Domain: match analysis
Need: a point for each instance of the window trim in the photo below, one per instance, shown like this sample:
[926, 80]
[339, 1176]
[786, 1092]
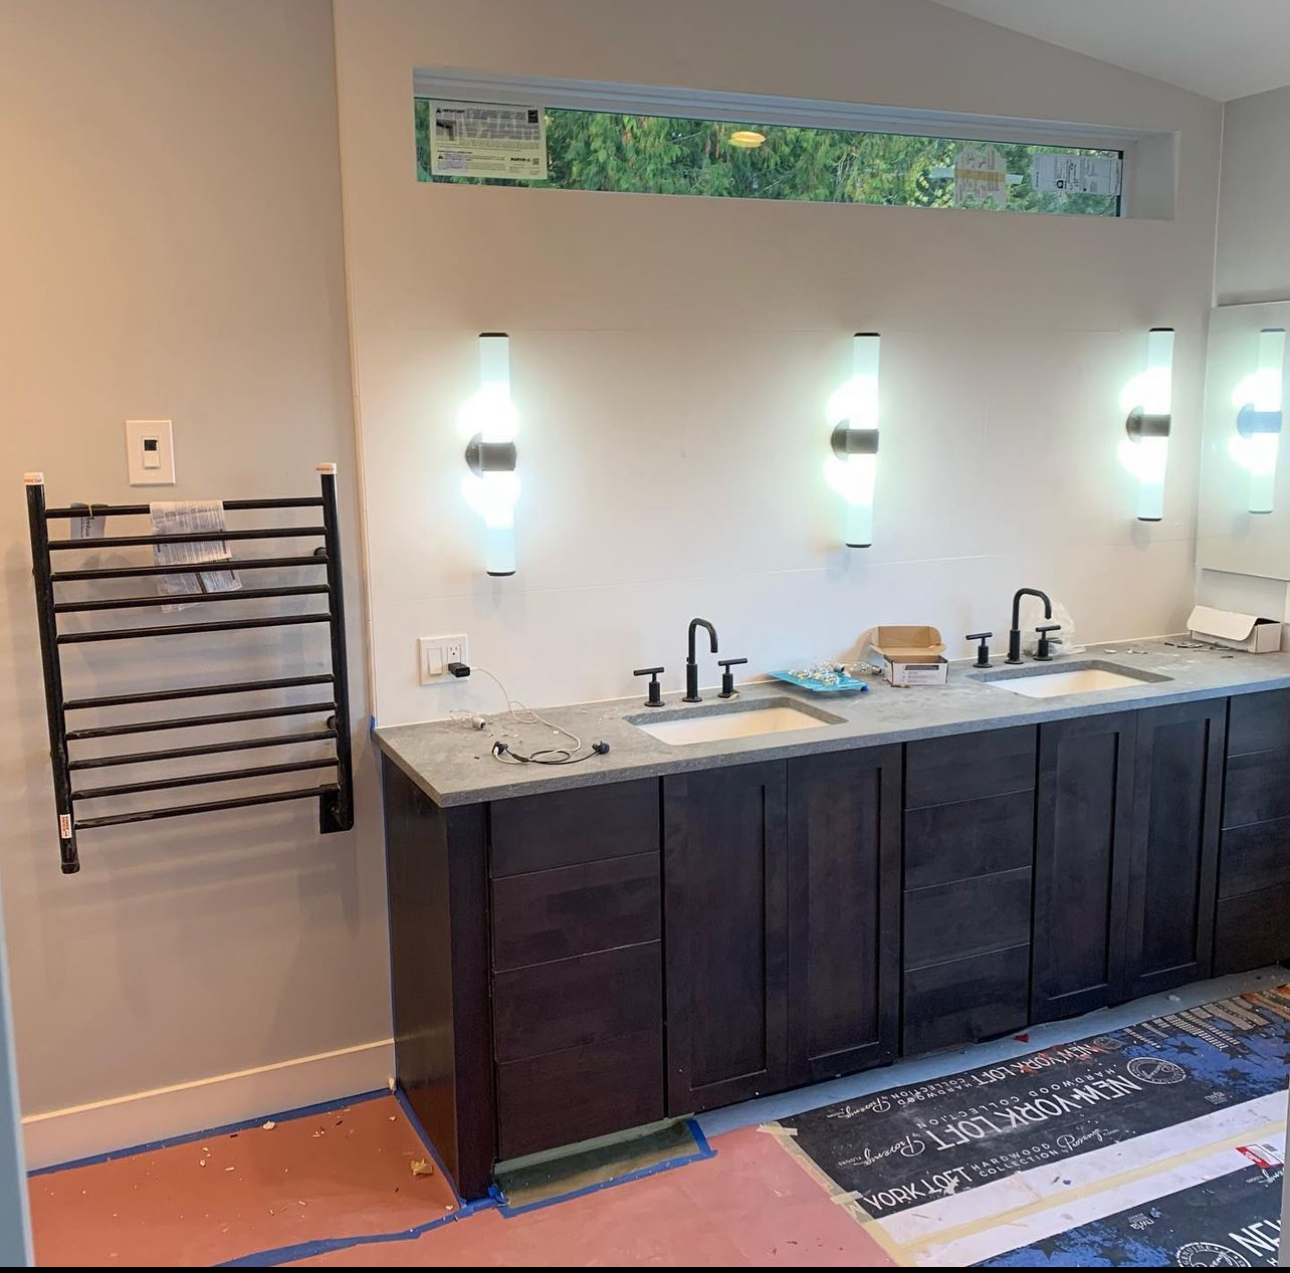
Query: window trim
[453, 84]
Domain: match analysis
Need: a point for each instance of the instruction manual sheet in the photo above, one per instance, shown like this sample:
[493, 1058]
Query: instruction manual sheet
[481, 139]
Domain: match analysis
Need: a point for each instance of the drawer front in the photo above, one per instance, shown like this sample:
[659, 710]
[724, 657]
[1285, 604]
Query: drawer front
[1252, 930]
[1255, 857]
[568, 1004]
[561, 828]
[973, 837]
[969, 766]
[1258, 722]
[966, 1000]
[569, 1096]
[968, 917]
[575, 910]
[1258, 788]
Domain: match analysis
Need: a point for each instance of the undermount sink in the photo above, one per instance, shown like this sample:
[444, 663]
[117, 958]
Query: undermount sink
[681, 727]
[1086, 677]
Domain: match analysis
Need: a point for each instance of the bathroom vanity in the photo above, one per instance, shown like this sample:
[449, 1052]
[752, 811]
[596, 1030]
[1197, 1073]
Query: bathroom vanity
[673, 927]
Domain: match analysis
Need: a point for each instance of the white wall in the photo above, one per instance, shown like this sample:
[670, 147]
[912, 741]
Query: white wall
[170, 245]
[1253, 262]
[671, 357]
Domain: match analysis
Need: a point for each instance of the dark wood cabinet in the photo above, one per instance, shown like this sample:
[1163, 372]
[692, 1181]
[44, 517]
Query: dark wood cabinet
[1252, 924]
[843, 912]
[969, 824]
[1083, 834]
[1173, 872]
[725, 858]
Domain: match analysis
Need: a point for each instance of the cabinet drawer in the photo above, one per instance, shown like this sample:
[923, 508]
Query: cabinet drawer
[967, 917]
[546, 1007]
[561, 828]
[1255, 857]
[966, 1000]
[1258, 788]
[575, 910]
[573, 1095]
[1252, 930]
[973, 837]
[1258, 722]
[969, 766]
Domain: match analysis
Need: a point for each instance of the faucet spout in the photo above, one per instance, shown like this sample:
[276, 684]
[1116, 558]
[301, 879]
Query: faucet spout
[1014, 636]
[692, 663]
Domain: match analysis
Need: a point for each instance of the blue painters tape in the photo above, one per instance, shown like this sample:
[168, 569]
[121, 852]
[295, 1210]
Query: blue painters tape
[187, 1138]
[324, 1246]
[703, 1150]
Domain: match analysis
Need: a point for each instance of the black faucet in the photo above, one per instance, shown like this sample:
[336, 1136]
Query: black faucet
[691, 663]
[1014, 637]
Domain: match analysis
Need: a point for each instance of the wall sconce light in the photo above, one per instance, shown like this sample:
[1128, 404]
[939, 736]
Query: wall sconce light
[1148, 398]
[489, 419]
[852, 469]
[1258, 419]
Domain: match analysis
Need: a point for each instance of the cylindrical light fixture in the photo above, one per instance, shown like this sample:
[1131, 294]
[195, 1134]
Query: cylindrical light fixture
[489, 420]
[1148, 398]
[1258, 403]
[852, 468]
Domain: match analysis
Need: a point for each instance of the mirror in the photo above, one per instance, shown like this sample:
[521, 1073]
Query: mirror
[1244, 516]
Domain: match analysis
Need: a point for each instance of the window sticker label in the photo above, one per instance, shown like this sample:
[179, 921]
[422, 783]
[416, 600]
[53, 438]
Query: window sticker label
[480, 139]
[980, 178]
[1076, 174]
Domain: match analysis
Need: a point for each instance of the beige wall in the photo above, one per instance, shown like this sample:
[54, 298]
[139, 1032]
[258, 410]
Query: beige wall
[671, 357]
[170, 246]
[1253, 261]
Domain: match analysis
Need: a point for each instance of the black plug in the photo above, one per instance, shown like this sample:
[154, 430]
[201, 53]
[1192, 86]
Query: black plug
[601, 749]
[459, 669]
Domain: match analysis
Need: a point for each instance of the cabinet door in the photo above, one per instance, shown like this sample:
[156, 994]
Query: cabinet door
[1083, 833]
[844, 912]
[725, 849]
[1177, 803]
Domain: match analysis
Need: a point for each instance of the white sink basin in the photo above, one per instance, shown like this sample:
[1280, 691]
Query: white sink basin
[747, 720]
[1087, 678]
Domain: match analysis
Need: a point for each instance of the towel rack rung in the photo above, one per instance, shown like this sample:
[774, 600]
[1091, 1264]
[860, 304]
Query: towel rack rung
[209, 806]
[202, 749]
[142, 510]
[318, 558]
[189, 598]
[196, 691]
[183, 722]
[186, 629]
[201, 780]
[189, 537]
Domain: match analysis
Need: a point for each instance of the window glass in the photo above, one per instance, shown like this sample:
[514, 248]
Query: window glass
[654, 154]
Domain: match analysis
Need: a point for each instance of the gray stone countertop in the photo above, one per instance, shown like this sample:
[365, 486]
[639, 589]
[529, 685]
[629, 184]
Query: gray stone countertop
[452, 762]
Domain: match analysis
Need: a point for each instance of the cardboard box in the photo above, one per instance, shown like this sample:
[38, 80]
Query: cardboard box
[1236, 631]
[911, 655]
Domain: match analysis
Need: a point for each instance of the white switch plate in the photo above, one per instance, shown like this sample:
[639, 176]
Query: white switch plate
[435, 653]
[150, 452]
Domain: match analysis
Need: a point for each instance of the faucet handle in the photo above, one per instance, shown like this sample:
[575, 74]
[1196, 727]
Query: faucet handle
[655, 698]
[983, 649]
[728, 677]
[1043, 653]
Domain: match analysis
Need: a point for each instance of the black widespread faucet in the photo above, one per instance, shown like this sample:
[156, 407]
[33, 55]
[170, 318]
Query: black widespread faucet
[1014, 637]
[692, 664]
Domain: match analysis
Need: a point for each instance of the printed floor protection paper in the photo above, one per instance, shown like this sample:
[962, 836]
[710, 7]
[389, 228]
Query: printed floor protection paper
[1060, 1156]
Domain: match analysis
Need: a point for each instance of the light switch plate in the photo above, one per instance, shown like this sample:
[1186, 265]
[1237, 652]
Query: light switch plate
[150, 452]
[435, 653]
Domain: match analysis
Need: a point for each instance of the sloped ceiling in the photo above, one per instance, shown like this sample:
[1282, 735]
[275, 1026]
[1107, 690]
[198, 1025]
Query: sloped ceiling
[1219, 48]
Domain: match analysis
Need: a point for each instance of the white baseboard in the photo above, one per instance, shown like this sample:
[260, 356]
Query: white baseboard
[84, 1131]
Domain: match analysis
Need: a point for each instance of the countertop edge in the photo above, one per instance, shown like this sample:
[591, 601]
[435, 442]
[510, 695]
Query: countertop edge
[1148, 697]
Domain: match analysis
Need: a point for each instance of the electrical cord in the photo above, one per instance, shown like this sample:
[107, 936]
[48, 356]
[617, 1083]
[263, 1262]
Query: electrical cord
[504, 754]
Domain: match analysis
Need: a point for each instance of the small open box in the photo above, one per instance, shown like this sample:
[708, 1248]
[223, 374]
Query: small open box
[1236, 631]
[911, 655]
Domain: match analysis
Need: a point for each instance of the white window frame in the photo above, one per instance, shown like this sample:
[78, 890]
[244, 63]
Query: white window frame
[453, 84]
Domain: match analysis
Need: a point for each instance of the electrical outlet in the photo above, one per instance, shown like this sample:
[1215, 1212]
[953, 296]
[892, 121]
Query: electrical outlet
[435, 653]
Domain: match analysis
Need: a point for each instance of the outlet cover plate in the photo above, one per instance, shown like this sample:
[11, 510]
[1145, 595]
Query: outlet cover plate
[436, 652]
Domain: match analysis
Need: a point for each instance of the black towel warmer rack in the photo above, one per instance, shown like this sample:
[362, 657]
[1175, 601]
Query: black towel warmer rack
[335, 799]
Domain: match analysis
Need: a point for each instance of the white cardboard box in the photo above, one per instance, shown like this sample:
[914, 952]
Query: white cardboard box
[912, 655]
[1236, 631]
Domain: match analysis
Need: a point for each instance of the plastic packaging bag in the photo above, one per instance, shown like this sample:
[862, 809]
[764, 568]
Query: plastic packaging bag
[1032, 615]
